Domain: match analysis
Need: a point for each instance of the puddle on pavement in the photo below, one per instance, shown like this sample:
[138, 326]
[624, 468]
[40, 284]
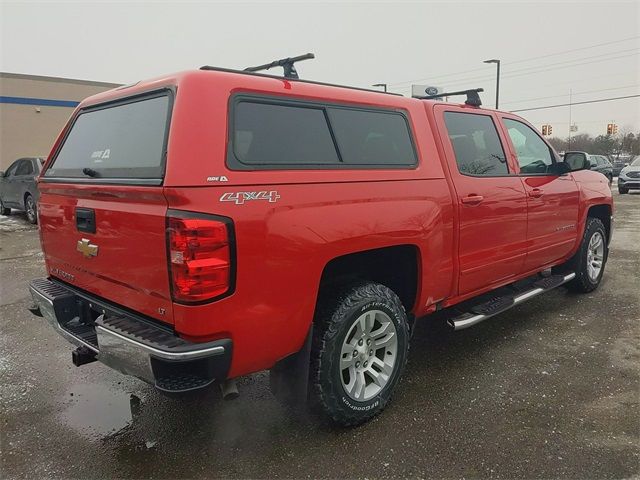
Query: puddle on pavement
[97, 411]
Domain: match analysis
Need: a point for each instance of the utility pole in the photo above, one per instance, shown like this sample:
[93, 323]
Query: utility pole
[570, 126]
[497, 62]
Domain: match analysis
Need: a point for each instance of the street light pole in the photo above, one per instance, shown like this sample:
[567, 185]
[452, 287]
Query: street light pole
[383, 85]
[497, 62]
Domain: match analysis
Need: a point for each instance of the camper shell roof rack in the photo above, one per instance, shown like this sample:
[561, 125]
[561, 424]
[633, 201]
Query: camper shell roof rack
[255, 71]
[473, 99]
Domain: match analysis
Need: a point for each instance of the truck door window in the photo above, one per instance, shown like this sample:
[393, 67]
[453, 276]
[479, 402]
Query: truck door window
[534, 155]
[476, 144]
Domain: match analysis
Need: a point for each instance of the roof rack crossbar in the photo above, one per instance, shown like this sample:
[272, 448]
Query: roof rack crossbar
[286, 63]
[473, 98]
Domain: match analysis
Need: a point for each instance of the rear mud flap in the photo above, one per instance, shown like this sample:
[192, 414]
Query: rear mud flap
[289, 378]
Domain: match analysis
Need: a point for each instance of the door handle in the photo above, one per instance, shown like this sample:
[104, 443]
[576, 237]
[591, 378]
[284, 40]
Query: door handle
[472, 199]
[535, 193]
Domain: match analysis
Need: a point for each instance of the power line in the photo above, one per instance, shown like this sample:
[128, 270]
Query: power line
[519, 61]
[574, 93]
[577, 49]
[509, 75]
[575, 103]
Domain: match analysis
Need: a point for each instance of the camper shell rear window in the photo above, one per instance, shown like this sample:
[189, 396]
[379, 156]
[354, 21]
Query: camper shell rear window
[118, 142]
[277, 133]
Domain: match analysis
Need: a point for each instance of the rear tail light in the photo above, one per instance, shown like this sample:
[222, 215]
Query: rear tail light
[200, 257]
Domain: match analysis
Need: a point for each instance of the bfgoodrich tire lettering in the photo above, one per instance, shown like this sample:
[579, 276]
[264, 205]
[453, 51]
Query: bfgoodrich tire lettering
[335, 319]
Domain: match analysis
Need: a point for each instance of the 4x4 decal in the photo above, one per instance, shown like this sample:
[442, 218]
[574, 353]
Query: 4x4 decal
[239, 198]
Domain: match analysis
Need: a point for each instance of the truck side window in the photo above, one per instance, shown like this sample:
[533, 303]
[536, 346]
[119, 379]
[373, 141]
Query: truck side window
[372, 138]
[282, 134]
[476, 144]
[534, 155]
[272, 134]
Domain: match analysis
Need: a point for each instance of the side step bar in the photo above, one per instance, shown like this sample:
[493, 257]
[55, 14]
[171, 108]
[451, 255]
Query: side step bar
[498, 305]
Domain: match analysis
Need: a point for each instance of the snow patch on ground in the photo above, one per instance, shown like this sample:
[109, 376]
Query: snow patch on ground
[15, 223]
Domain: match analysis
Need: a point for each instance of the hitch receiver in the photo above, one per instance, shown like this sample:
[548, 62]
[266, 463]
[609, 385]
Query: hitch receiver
[83, 355]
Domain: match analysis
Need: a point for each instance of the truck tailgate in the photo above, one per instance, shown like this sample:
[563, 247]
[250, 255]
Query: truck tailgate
[125, 260]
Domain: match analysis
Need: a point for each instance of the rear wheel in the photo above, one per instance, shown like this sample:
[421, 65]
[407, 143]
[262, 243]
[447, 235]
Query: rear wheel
[4, 210]
[30, 208]
[359, 351]
[589, 261]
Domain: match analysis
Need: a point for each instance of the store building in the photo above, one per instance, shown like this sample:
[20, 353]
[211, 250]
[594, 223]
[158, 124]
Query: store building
[33, 110]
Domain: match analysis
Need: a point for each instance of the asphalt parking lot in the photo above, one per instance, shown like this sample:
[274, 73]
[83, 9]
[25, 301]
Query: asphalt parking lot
[550, 389]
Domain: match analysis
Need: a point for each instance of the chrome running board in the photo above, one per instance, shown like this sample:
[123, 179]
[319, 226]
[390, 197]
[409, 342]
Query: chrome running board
[505, 302]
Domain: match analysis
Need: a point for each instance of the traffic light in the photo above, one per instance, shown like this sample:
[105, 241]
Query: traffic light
[549, 129]
[615, 128]
[544, 129]
[609, 128]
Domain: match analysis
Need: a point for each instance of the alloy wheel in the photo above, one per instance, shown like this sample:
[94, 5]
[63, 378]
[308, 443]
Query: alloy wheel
[368, 355]
[595, 256]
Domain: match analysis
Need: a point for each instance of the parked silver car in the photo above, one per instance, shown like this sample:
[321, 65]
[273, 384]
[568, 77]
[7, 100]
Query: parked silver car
[629, 178]
[18, 189]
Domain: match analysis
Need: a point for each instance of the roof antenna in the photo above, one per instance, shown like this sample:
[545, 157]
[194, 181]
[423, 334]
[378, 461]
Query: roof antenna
[473, 99]
[286, 63]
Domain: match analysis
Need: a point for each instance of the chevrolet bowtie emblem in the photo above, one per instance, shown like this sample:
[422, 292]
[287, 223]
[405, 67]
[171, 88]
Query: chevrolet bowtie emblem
[86, 248]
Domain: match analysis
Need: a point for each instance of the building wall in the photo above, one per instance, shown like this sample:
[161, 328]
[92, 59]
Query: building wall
[34, 109]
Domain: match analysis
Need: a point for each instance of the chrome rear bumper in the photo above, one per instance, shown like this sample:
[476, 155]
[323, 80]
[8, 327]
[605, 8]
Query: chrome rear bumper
[130, 344]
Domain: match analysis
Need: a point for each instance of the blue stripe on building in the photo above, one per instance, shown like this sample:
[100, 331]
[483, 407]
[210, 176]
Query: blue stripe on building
[43, 102]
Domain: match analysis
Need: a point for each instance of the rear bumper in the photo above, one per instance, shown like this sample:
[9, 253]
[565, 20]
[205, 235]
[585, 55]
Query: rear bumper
[130, 344]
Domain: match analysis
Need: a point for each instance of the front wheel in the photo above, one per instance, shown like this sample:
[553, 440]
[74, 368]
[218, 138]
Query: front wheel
[30, 208]
[622, 190]
[589, 261]
[359, 351]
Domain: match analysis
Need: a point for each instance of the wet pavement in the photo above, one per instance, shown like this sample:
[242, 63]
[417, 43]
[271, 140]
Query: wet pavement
[548, 389]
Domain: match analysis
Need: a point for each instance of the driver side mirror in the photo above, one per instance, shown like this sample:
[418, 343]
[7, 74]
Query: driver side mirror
[1, 174]
[577, 161]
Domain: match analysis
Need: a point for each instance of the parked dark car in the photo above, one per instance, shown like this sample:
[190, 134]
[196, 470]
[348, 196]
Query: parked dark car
[18, 188]
[597, 163]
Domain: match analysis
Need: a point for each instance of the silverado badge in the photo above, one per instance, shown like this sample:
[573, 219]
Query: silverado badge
[86, 248]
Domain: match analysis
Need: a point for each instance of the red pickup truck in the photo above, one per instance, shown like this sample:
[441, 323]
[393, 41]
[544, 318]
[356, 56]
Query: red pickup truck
[214, 223]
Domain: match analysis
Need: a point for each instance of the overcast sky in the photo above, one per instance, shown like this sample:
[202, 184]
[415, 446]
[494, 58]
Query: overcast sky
[356, 43]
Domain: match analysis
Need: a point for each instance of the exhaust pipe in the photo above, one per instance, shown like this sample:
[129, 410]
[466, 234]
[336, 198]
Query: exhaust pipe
[229, 389]
[83, 355]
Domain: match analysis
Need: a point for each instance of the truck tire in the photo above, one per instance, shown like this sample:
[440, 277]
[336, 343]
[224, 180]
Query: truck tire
[589, 261]
[359, 351]
[3, 210]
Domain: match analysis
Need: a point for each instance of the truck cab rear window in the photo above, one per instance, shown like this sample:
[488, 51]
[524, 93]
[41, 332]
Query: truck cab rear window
[284, 136]
[122, 141]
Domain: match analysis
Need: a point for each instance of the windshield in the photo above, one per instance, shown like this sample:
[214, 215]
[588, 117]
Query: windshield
[636, 162]
[124, 141]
